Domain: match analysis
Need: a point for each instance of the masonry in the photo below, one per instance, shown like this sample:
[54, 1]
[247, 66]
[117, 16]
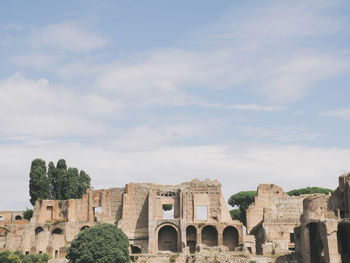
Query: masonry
[155, 218]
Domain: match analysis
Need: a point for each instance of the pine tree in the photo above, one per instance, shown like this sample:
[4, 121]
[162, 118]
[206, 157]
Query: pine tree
[39, 183]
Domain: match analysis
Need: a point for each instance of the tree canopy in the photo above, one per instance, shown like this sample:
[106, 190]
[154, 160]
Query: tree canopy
[242, 199]
[104, 243]
[309, 190]
[57, 182]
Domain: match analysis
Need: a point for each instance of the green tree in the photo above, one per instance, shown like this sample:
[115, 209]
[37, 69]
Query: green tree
[102, 243]
[242, 200]
[39, 184]
[309, 190]
[71, 189]
[84, 183]
[235, 214]
[28, 214]
[61, 180]
[51, 174]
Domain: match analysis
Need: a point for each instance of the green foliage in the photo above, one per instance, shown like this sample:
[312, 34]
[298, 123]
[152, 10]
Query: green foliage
[309, 190]
[51, 174]
[84, 182]
[173, 258]
[167, 207]
[235, 214]
[102, 243]
[28, 214]
[39, 185]
[17, 257]
[242, 200]
[59, 183]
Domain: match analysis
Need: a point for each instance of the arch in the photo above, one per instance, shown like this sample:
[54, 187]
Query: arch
[3, 231]
[167, 238]
[135, 249]
[38, 230]
[210, 236]
[57, 231]
[343, 236]
[191, 238]
[230, 238]
[2, 219]
[316, 245]
[18, 217]
[84, 227]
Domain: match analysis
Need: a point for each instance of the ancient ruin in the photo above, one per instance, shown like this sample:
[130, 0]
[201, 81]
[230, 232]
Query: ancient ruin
[196, 213]
[190, 219]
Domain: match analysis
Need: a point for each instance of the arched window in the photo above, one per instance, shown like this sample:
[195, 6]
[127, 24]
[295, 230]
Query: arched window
[57, 231]
[38, 230]
[167, 239]
[84, 227]
[18, 217]
[209, 236]
[230, 238]
[135, 250]
[191, 238]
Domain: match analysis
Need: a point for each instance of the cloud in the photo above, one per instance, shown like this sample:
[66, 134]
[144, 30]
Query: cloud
[343, 114]
[238, 166]
[243, 107]
[38, 108]
[67, 37]
[280, 134]
[37, 61]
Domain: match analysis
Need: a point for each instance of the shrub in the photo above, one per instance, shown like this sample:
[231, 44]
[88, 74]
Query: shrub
[102, 243]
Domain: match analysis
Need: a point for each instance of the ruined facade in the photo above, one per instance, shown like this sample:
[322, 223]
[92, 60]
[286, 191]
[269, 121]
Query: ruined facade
[154, 217]
[324, 233]
[272, 219]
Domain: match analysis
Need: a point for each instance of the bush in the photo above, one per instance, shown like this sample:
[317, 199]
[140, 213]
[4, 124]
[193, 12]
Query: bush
[17, 257]
[102, 243]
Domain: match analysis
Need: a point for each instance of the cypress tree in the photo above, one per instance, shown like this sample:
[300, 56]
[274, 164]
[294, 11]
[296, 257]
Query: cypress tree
[51, 174]
[84, 183]
[72, 187]
[61, 180]
[39, 183]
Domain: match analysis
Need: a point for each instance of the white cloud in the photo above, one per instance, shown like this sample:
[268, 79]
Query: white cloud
[343, 114]
[281, 134]
[37, 108]
[237, 167]
[68, 37]
[37, 61]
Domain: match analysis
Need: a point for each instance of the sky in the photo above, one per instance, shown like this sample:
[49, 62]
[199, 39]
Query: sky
[246, 92]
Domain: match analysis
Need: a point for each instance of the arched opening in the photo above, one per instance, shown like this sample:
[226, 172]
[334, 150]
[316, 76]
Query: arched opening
[57, 231]
[18, 217]
[167, 239]
[191, 238]
[3, 232]
[316, 245]
[2, 219]
[344, 241]
[230, 238]
[209, 236]
[135, 250]
[84, 227]
[38, 230]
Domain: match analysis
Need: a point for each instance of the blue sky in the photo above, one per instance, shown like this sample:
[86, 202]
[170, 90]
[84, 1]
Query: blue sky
[167, 91]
